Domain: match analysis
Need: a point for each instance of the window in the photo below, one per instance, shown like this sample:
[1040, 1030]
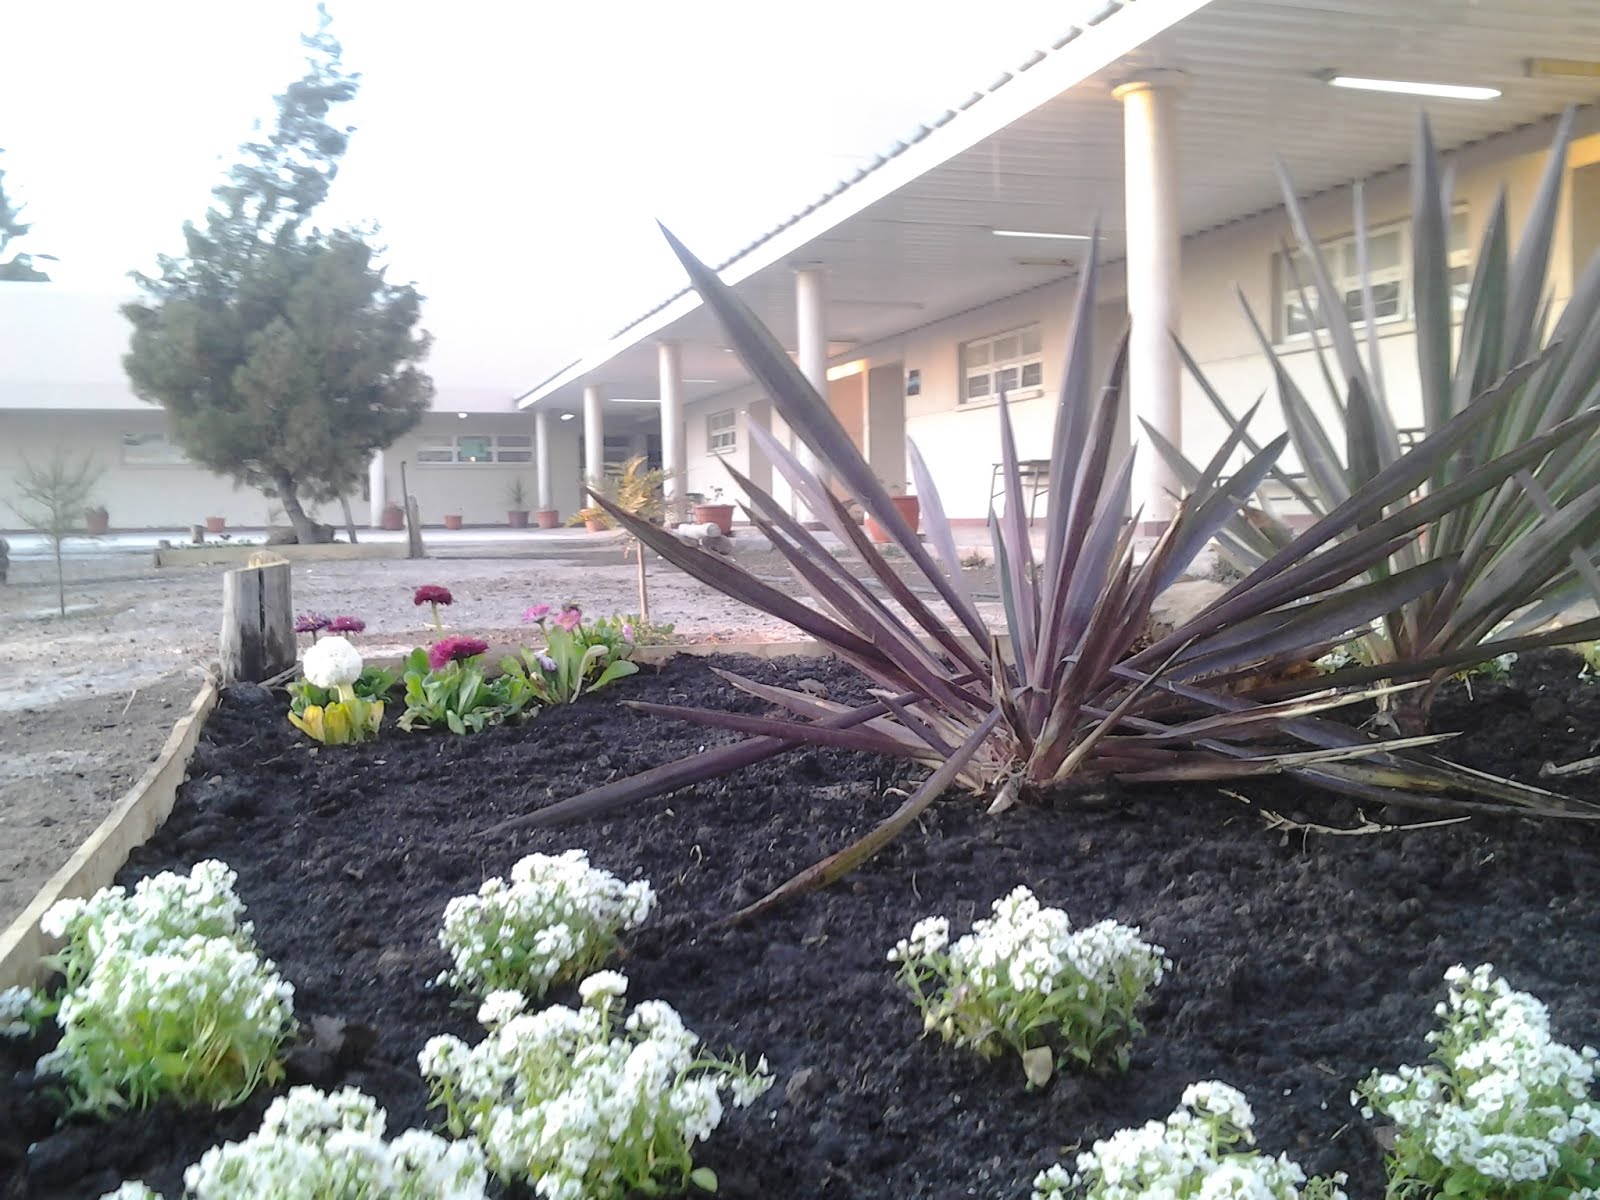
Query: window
[1009, 362]
[1388, 269]
[476, 448]
[722, 433]
[150, 450]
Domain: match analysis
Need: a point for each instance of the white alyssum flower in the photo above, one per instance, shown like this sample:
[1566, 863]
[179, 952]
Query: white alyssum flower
[1024, 978]
[165, 995]
[1503, 1109]
[20, 1009]
[313, 1144]
[565, 1102]
[556, 918]
[332, 662]
[1197, 1152]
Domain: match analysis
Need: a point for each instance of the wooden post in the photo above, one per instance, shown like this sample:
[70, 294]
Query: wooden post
[414, 547]
[257, 623]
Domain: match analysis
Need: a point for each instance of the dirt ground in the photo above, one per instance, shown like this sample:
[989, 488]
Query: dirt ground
[87, 701]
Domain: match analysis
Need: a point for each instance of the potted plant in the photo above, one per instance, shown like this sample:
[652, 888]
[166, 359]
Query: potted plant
[547, 518]
[517, 499]
[216, 524]
[638, 491]
[96, 520]
[910, 509]
[394, 517]
[715, 512]
[452, 520]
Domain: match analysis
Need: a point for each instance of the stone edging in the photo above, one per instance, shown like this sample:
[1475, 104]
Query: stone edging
[141, 811]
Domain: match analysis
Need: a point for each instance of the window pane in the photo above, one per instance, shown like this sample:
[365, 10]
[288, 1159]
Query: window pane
[1005, 348]
[1030, 340]
[515, 440]
[1006, 381]
[473, 450]
[1033, 375]
[1385, 300]
[978, 354]
[977, 385]
[1458, 231]
[1295, 319]
[515, 456]
[436, 454]
[1460, 286]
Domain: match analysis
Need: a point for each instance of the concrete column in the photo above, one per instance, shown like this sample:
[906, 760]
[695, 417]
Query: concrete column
[594, 439]
[541, 455]
[1149, 108]
[811, 345]
[674, 431]
[376, 490]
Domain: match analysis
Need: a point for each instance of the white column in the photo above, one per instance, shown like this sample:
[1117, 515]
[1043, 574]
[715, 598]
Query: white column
[674, 431]
[1149, 107]
[811, 345]
[541, 455]
[375, 489]
[594, 439]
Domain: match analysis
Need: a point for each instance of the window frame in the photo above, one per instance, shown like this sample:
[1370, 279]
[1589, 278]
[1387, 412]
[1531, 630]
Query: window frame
[498, 445]
[175, 456]
[719, 425]
[990, 366]
[1286, 296]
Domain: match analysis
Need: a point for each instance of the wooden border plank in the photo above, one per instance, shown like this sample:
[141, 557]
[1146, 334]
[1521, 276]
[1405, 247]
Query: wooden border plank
[141, 811]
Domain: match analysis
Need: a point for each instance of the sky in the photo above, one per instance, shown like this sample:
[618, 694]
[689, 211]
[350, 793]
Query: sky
[514, 156]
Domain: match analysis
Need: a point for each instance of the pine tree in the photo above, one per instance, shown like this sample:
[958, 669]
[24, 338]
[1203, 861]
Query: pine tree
[19, 268]
[281, 354]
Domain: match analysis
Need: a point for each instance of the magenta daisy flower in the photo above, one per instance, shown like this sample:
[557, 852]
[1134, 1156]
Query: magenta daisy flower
[432, 595]
[455, 649]
[347, 624]
[311, 623]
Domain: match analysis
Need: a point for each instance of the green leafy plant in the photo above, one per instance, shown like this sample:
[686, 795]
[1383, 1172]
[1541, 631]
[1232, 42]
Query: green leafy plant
[577, 656]
[556, 919]
[577, 1102]
[1075, 694]
[374, 683]
[1513, 555]
[1204, 1149]
[1024, 980]
[314, 1145]
[334, 668]
[1504, 1111]
[448, 686]
[164, 995]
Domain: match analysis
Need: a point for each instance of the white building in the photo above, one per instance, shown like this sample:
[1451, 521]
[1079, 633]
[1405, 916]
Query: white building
[907, 299]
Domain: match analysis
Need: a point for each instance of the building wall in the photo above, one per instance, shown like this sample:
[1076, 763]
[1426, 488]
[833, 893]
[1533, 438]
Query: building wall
[176, 496]
[961, 442]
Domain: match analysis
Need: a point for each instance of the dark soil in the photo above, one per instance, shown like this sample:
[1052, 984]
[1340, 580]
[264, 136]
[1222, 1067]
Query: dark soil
[1303, 961]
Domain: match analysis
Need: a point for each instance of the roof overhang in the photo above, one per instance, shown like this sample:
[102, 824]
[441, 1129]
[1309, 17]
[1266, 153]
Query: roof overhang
[910, 240]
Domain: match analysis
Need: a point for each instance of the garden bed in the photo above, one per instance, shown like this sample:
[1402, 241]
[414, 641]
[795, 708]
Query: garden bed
[1301, 961]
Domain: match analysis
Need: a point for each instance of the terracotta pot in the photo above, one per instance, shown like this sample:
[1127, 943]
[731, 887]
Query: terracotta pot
[517, 518]
[910, 509]
[394, 517]
[595, 526]
[452, 521]
[96, 521]
[216, 524]
[720, 515]
[547, 518]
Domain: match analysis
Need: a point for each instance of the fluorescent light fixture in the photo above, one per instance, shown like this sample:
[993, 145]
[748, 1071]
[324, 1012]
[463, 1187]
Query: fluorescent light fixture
[702, 381]
[1039, 233]
[568, 416]
[463, 416]
[845, 370]
[1409, 87]
[629, 400]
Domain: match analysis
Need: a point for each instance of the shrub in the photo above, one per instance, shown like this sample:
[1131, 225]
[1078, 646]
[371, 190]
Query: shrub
[1504, 1110]
[557, 919]
[165, 995]
[313, 1144]
[1194, 1153]
[1023, 980]
[564, 1101]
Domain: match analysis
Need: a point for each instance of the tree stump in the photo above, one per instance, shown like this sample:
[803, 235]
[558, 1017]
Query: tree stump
[257, 623]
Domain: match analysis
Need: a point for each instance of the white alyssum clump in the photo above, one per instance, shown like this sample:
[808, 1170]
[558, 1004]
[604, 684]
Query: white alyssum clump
[19, 1011]
[1504, 1110]
[165, 994]
[1024, 979]
[1195, 1153]
[557, 918]
[314, 1145]
[564, 1101]
[332, 662]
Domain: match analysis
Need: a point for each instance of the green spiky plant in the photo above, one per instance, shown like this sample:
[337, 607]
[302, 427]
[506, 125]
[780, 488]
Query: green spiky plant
[640, 491]
[1516, 555]
[1069, 699]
